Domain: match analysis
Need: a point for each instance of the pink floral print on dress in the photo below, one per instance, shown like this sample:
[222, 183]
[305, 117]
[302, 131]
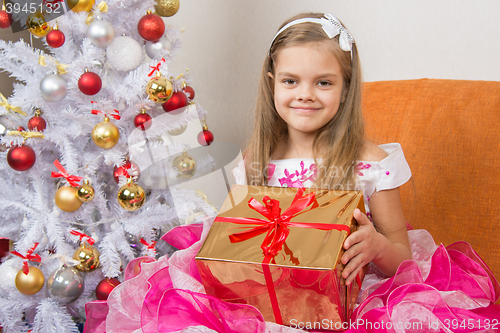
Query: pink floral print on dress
[298, 178]
[360, 166]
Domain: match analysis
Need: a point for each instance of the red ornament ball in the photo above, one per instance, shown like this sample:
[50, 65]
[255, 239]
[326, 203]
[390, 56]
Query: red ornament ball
[90, 83]
[189, 91]
[104, 288]
[205, 138]
[55, 38]
[5, 19]
[177, 101]
[151, 27]
[142, 121]
[128, 169]
[21, 158]
[37, 124]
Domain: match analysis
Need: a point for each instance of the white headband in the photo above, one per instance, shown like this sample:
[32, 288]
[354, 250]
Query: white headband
[331, 26]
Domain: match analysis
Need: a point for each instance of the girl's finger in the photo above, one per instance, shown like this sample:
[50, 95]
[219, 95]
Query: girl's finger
[360, 217]
[349, 254]
[353, 275]
[353, 239]
[353, 263]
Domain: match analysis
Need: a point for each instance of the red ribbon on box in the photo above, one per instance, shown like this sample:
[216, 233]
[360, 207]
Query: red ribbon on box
[277, 228]
[29, 256]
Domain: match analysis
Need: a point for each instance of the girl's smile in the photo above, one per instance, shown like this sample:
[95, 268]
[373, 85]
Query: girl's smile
[307, 87]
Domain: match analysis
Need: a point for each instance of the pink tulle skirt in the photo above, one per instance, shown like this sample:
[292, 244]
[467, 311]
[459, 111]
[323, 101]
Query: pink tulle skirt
[441, 290]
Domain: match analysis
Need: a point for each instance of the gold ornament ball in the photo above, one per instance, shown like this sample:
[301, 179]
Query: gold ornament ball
[85, 192]
[67, 199]
[30, 284]
[88, 258]
[105, 134]
[159, 89]
[37, 24]
[81, 5]
[185, 165]
[167, 7]
[131, 196]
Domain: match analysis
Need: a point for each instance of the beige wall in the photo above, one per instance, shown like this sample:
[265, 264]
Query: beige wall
[225, 42]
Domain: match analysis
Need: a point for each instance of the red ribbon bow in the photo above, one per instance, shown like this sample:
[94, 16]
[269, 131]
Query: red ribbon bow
[72, 180]
[157, 67]
[116, 116]
[277, 223]
[29, 256]
[90, 240]
[277, 228]
[150, 246]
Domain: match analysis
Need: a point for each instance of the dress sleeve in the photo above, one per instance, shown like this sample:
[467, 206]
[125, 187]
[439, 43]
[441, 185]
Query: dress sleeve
[389, 173]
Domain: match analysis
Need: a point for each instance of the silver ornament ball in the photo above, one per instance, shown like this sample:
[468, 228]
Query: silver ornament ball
[158, 49]
[101, 33]
[65, 284]
[53, 88]
[124, 53]
[9, 122]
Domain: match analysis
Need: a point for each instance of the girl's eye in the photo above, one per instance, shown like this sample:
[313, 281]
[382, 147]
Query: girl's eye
[289, 81]
[324, 83]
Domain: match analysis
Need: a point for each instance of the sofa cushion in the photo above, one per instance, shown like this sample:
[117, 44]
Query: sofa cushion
[450, 136]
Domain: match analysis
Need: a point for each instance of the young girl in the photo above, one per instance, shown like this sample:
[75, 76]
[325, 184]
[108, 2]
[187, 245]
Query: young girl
[308, 132]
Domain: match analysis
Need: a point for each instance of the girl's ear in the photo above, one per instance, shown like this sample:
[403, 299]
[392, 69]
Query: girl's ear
[271, 85]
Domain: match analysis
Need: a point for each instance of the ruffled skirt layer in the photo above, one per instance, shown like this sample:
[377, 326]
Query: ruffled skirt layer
[441, 290]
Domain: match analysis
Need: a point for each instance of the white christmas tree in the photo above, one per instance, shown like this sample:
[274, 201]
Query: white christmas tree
[68, 198]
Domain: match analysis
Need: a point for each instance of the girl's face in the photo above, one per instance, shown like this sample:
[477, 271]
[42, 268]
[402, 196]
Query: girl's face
[308, 86]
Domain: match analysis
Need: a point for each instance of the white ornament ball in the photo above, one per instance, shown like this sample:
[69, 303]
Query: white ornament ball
[55, 212]
[26, 223]
[53, 88]
[121, 106]
[101, 33]
[124, 53]
[95, 237]
[8, 274]
[44, 240]
[158, 49]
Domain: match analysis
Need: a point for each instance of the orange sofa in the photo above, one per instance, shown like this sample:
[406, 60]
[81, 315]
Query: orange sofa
[450, 134]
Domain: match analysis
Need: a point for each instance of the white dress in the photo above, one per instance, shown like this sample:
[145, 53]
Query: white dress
[389, 173]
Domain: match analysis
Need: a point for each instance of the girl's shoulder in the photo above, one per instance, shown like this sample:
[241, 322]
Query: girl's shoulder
[373, 153]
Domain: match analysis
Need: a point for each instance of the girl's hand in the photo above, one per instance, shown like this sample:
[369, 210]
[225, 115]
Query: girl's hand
[361, 247]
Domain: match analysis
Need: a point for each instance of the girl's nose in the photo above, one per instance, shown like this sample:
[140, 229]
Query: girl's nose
[306, 93]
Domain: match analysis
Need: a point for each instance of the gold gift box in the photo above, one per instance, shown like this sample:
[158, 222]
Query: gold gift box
[306, 273]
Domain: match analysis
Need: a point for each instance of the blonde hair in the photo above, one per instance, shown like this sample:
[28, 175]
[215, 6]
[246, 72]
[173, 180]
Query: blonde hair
[339, 142]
